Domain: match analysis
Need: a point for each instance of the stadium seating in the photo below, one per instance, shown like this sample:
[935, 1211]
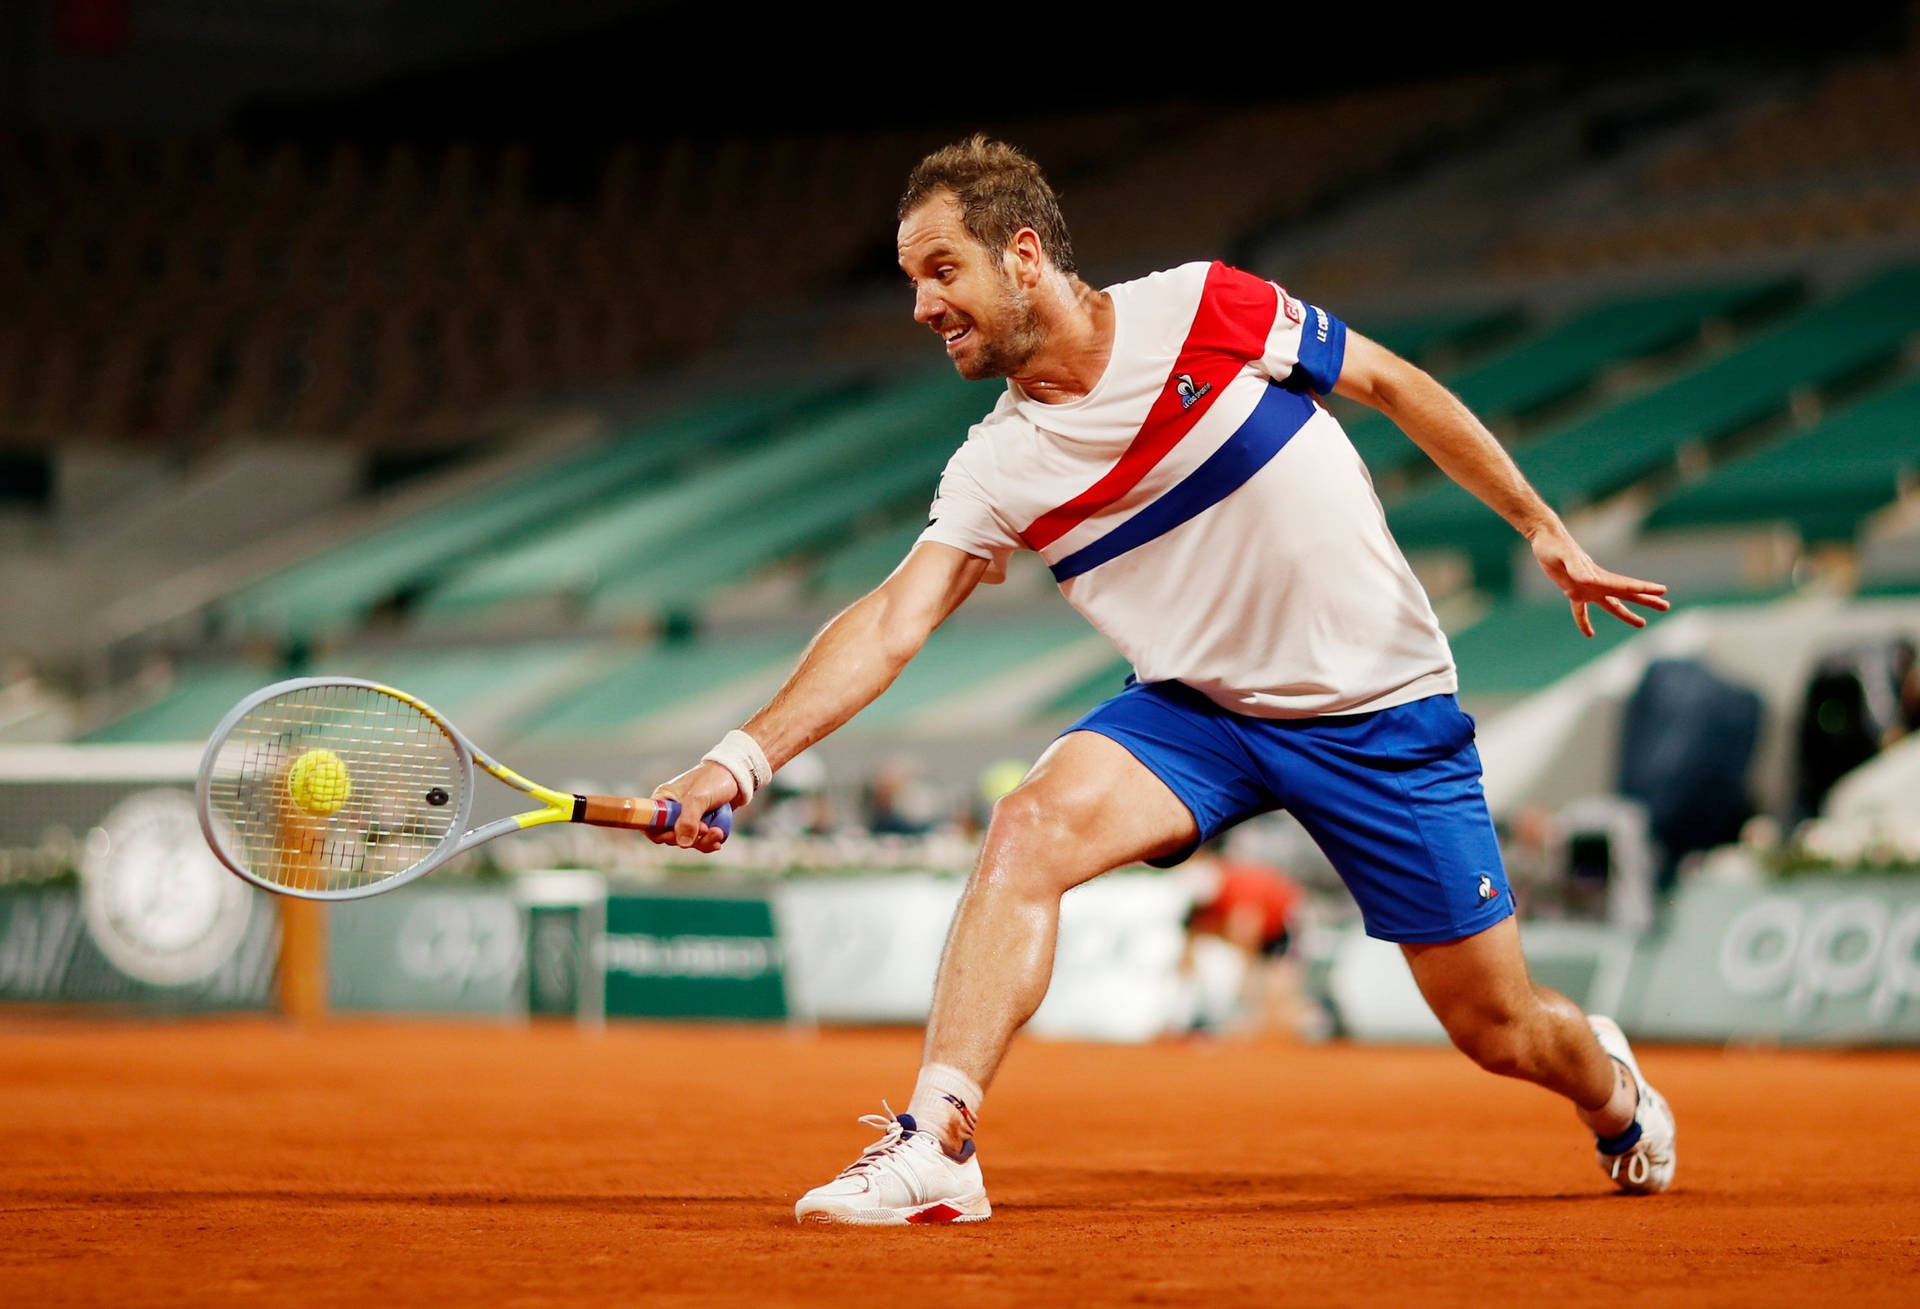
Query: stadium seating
[1426, 338]
[338, 588]
[863, 563]
[1823, 480]
[1860, 117]
[1564, 357]
[179, 292]
[1829, 165]
[1620, 443]
[472, 684]
[983, 668]
[826, 472]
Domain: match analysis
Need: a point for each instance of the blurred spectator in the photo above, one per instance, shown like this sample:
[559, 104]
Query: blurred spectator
[898, 802]
[1527, 846]
[1254, 909]
[797, 802]
[1860, 701]
[1687, 738]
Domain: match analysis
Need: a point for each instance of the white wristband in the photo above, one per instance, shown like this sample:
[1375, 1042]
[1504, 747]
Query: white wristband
[742, 756]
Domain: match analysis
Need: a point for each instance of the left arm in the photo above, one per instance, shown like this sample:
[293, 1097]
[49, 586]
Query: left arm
[1468, 453]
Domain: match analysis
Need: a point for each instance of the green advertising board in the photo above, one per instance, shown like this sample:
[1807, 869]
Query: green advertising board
[48, 952]
[1813, 959]
[426, 949]
[693, 956]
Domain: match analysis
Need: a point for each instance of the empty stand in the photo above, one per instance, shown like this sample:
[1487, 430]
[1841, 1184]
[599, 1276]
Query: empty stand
[1565, 357]
[1622, 442]
[338, 588]
[1824, 480]
[803, 484]
[473, 685]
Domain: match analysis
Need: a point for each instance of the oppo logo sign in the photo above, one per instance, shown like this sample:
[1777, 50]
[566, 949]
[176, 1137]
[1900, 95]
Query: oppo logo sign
[1850, 947]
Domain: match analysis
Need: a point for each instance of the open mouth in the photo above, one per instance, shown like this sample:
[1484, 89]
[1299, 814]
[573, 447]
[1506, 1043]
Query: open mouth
[955, 336]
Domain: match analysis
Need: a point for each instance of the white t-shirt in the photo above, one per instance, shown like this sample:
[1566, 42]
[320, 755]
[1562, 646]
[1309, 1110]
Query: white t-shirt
[1203, 511]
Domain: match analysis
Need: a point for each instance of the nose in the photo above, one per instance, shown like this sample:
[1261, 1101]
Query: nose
[927, 304]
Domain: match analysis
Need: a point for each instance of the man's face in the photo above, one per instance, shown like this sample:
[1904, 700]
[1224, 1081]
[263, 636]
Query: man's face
[965, 294]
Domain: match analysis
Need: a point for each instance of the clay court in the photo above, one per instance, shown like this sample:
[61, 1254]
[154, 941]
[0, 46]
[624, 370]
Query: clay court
[247, 1161]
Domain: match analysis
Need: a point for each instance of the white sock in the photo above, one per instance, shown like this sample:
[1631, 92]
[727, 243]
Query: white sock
[946, 1102]
[1616, 1115]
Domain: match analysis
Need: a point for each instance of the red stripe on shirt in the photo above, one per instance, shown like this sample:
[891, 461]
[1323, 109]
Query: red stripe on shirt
[1230, 327]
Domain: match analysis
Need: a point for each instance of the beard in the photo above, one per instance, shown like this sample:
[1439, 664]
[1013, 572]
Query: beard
[1016, 339]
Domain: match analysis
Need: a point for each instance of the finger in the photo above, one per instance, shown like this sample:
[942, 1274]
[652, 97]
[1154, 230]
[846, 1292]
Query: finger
[1580, 619]
[1620, 611]
[1656, 602]
[711, 838]
[686, 831]
[1617, 582]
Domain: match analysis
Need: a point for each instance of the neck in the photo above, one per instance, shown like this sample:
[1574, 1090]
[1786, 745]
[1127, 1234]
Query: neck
[1079, 327]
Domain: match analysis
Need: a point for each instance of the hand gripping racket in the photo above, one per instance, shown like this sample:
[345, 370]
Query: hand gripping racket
[332, 788]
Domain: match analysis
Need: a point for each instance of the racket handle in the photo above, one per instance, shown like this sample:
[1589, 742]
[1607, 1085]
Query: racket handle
[642, 814]
[721, 818]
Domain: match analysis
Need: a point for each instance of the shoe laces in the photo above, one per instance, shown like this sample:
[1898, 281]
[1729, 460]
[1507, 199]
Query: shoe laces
[1639, 1165]
[881, 1153]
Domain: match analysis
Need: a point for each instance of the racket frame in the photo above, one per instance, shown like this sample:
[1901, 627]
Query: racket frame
[556, 806]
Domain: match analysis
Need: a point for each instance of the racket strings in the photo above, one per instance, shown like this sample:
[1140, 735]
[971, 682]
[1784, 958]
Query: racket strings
[401, 774]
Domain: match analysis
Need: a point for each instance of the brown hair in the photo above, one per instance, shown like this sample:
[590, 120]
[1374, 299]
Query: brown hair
[1000, 191]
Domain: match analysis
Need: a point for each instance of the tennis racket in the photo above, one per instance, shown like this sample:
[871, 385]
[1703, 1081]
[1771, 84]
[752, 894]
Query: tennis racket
[333, 788]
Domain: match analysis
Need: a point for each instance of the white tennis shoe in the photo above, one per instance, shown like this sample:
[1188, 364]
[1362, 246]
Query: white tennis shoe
[1644, 1163]
[905, 1177]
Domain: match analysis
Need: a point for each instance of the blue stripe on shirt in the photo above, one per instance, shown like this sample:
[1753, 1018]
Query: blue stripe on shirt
[1270, 426]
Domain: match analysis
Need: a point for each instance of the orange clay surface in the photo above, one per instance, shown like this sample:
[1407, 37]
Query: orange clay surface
[400, 1163]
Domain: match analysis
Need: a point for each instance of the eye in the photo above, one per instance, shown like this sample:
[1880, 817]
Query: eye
[946, 273]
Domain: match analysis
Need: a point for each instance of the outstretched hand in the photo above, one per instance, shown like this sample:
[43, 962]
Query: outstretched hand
[700, 790]
[1586, 583]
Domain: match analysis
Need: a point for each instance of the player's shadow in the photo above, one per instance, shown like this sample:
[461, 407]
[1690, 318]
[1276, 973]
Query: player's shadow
[1142, 1191]
[441, 1199]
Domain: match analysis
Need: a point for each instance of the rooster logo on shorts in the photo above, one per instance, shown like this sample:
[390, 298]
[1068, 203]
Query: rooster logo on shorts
[1486, 887]
[1183, 383]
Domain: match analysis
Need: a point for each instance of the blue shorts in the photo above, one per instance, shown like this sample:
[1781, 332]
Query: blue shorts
[1392, 797]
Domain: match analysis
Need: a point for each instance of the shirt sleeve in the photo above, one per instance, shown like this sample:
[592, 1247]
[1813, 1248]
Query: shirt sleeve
[1306, 348]
[963, 517]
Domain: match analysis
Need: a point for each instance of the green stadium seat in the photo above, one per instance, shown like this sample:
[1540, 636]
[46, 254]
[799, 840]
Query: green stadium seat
[808, 483]
[1618, 444]
[1521, 645]
[1426, 336]
[338, 588]
[864, 563]
[1823, 480]
[969, 652]
[617, 703]
[818, 517]
[189, 709]
[965, 657]
[1564, 357]
[462, 683]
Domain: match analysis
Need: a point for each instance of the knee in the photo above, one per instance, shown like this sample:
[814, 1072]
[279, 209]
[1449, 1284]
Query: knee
[1027, 848]
[1497, 1041]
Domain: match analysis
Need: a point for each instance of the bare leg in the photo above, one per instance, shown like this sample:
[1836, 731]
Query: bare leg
[1479, 989]
[1087, 806]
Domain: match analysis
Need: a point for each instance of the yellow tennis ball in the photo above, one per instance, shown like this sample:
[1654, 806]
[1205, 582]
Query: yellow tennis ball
[319, 783]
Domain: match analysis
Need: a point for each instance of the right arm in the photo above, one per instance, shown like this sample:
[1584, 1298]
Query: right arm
[845, 668]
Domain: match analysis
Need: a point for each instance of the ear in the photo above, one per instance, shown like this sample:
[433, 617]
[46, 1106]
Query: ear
[1026, 260]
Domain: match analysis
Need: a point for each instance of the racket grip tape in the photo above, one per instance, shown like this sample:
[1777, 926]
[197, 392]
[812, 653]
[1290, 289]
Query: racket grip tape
[642, 814]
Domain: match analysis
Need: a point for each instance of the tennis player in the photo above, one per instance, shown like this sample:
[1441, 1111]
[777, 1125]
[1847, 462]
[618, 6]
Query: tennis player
[1160, 444]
